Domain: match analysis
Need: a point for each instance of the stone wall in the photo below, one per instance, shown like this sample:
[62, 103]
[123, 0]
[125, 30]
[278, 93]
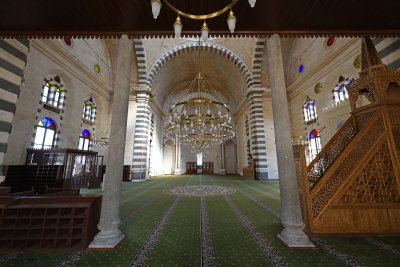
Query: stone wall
[75, 67]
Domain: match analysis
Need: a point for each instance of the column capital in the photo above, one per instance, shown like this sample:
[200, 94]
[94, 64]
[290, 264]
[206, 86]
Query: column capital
[142, 92]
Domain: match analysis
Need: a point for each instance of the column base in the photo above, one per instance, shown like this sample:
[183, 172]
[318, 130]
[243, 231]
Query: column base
[222, 171]
[177, 171]
[261, 176]
[295, 239]
[107, 239]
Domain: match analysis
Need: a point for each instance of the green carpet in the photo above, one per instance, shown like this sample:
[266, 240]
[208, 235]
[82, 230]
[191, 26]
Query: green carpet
[241, 231]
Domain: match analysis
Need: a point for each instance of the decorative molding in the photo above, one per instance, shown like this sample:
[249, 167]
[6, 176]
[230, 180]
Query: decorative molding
[77, 70]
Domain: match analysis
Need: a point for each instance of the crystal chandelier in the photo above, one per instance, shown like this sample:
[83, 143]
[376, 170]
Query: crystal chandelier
[200, 121]
[231, 20]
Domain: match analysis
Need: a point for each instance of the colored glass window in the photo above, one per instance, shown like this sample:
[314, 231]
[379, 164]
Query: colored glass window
[301, 68]
[314, 144]
[309, 110]
[45, 133]
[84, 140]
[330, 41]
[68, 41]
[97, 68]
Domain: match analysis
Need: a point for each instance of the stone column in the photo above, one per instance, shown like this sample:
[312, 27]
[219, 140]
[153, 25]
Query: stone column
[177, 153]
[110, 236]
[222, 169]
[292, 235]
[142, 133]
[257, 133]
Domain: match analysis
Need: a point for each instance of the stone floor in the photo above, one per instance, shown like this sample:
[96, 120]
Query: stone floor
[171, 221]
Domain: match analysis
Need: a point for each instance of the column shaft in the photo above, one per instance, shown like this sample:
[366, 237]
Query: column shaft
[142, 133]
[292, 235]
[257, 134]
[109, 235]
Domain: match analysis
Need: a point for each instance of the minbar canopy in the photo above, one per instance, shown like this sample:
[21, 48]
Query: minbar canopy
[111, 18]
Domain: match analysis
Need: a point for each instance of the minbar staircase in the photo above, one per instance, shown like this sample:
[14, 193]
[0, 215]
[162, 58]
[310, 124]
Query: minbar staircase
[353, 186]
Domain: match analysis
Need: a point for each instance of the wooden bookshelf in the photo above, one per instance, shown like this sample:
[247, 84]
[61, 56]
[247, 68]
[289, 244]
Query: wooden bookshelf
[48, 223]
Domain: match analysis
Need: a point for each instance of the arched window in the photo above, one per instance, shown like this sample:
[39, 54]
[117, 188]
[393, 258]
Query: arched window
[340, 92]
[199, 158]
[45, 133]
[89, 110]
[84, 140]
[309, 109]
[53, 92]
[314, 145]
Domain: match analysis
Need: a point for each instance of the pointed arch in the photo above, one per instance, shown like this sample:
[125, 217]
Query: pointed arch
[181, 49]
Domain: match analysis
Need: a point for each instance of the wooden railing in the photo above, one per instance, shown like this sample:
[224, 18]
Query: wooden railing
[330, 152]
[346, 162]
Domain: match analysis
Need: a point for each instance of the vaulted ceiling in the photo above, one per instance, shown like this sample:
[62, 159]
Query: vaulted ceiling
[27, 18]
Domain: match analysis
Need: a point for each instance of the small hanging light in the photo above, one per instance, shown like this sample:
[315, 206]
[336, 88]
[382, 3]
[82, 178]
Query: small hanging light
[178, 27]
[155, 8]
[231, 21]
[204, 32]
[252, 3]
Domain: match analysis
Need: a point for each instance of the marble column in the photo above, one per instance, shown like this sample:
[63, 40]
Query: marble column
[222, 169]
[292, 234]
[110, 236]
[177, 154]
[141, 139]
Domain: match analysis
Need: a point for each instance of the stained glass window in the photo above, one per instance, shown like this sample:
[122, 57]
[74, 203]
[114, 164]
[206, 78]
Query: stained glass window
[301, 68]
[45, 133]
[53, 92]
[309, 110]
[84, 140]
[340, 93]
[314, 145]
[89, 110]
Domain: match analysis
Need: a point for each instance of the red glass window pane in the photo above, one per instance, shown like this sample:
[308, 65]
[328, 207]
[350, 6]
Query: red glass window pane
[330, 41]
[67, 41]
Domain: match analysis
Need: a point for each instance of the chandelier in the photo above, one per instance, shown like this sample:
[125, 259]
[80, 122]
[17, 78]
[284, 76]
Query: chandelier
[156, 7]
[200, 121]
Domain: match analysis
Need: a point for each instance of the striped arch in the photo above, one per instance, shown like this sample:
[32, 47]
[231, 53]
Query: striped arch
[141, 62]
[181, 49]
[257, 61]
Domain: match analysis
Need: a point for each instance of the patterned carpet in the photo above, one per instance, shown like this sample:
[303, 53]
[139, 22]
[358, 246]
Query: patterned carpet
[171, 227]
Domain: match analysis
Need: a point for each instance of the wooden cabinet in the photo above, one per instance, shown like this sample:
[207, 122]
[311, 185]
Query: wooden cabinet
[48, 223]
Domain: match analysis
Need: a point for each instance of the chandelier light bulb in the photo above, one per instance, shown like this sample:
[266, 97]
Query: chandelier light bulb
[252, 3]
[231, 21]
[155, 8]
[204, 32]
[178, 27]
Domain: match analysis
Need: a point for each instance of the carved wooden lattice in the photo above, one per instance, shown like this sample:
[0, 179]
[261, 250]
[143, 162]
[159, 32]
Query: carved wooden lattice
[394, 116]
[330, 153]
[346, 166]
[362, 119]
[396, 137]
[376, 183]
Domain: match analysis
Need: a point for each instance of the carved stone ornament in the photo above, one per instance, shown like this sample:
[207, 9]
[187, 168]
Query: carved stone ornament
[318, 88]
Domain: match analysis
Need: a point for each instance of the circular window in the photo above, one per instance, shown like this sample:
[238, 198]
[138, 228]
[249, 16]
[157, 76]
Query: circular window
[57, 79]
[301, 68]
[330, 41]
[97, 68]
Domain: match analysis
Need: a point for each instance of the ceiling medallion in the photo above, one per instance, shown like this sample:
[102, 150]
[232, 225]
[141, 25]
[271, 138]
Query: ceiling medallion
[318, 88]
[231, 20]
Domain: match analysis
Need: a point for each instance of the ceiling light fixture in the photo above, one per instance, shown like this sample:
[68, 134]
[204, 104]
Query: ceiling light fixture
[231, 21]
